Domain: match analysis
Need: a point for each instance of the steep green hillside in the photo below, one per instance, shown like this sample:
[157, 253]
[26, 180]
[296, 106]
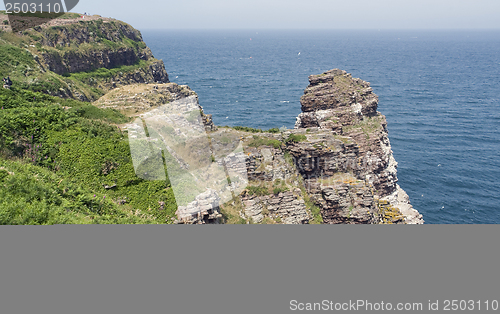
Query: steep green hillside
[61, 161]
[78, 58]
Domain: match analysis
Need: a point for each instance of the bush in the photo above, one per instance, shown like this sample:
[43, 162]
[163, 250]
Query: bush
[278, 190]
[76, 144]
[247, 129]
[35, 196]
[258, 190]
[296, 138]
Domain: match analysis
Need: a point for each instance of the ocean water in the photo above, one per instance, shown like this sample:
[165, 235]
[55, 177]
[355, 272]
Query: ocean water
[440, 92]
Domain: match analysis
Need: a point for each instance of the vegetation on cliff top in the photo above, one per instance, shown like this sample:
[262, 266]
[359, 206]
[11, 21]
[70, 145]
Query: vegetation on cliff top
[29, 57]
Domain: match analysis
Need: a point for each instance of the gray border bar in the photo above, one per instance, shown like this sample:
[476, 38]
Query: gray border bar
[241, 269]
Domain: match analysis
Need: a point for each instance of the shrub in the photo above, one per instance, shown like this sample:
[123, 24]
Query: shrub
[279, 189]
[296, 138]
[257, 190]
[247, 129]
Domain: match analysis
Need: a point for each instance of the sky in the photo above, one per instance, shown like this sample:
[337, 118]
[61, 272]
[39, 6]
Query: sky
[299, 14]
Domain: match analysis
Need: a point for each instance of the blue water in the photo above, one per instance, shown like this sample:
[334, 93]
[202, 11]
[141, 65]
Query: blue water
[439, 90]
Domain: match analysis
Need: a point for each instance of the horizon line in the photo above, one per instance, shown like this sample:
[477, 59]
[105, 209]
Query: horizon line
[322, 29]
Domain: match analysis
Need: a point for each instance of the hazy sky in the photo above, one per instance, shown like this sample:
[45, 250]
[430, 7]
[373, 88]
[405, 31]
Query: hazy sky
[299, 14]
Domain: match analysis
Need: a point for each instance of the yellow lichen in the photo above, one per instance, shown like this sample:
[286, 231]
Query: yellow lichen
[389, 214]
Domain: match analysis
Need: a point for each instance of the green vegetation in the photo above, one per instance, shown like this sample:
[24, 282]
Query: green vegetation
[263, 141]
[22, 57]
[252, 130]
[92, 77]
[368, 125]
[279, 186]
[231, 212]
[296, 138]
[259, 190]
[62, 153]
[64, 161]
[33, 195]
[315, 210]
[277, 190]
[289, 159]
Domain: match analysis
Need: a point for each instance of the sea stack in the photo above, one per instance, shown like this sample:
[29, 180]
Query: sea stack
[354, 174]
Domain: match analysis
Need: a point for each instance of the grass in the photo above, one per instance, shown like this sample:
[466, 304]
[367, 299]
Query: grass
[18, 53]
[74, 146]
[279, 186]
[231, 212]
[104, 73]
[289, 159]
[259, 190]
[368, 125]
[263, 141]
[296, 138]
[32, 195]
[313, 208]
[253, 130]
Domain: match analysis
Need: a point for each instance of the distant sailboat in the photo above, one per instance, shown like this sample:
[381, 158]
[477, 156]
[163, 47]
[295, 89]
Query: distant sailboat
[298, 54]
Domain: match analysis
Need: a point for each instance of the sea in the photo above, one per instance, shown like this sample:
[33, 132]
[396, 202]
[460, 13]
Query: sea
[439, 89]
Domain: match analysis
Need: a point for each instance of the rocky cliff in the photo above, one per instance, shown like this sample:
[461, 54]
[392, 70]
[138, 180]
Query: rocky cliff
[81, 58]
[348, 166]
[335, 167]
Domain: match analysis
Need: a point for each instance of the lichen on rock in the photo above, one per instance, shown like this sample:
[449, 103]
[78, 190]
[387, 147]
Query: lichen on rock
[350, 138]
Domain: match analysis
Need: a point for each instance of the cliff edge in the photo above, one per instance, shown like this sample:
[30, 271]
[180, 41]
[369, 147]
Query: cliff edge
[346, 108]
[77, 56]
[335, 167]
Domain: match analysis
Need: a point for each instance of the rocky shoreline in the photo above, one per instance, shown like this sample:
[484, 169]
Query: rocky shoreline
[335, 167]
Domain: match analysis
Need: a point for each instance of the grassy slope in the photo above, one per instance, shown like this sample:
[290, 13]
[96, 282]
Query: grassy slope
[18, 53]
[61, 157]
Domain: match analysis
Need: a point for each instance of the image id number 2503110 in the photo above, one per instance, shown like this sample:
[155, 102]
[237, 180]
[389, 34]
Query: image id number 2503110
[25, 7]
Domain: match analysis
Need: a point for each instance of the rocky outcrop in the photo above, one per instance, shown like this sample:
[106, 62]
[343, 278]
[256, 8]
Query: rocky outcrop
[286, 207]
[134, 99]
[83, 58]
[87, 45]
[204, 209]
[335, 167]
[273, 189]
[346, 158]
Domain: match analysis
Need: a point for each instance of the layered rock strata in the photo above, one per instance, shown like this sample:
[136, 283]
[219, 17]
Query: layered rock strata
[87, 45]
[335, 167]
[346, 159]
[82, 58]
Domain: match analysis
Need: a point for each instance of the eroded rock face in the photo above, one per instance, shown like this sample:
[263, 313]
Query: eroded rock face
[204, 209]
[273, 190]
[286, 207]
[346, 158]
[87, 45]
[338, 159]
